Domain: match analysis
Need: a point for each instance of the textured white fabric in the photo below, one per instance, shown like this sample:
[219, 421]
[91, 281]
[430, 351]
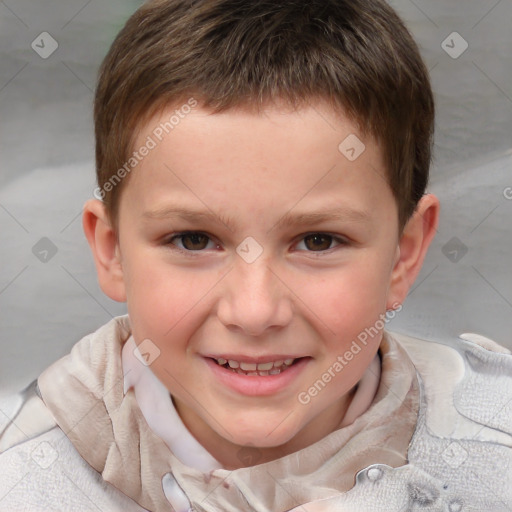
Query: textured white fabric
[46, 473]
[484, 342]
[100, 425]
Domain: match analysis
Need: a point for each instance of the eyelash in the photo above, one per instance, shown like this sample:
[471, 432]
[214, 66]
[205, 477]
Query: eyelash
[169, 241]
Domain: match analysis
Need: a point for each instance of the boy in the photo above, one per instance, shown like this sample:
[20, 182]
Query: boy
[261, 209]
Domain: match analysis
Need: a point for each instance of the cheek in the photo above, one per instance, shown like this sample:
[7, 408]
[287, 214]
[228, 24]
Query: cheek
[165, 302]
[148, 292]
[165, 306]
[349, 299]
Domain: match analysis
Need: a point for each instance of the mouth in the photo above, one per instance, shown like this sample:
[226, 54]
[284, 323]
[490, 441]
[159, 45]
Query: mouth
[253, 369]
[263, 377]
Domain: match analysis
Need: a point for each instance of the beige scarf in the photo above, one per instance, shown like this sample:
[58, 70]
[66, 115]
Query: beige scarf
[84, 391]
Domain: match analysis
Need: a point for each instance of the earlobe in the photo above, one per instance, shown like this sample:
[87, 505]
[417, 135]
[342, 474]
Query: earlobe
[105, 249]
[417, 235]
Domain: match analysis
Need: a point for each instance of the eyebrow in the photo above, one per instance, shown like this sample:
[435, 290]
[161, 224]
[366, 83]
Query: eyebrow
[340, 213]
[189, 215]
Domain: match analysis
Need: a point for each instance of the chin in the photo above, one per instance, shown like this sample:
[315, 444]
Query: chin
[266, 433]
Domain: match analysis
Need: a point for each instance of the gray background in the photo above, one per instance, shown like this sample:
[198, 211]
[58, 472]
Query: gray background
[47, 173]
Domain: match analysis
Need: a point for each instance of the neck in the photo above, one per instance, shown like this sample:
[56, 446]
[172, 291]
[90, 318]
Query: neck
[234, 456]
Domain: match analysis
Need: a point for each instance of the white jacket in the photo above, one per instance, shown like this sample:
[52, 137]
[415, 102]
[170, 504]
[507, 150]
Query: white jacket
[437, 437]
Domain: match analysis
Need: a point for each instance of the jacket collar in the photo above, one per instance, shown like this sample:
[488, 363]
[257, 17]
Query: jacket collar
[85, 393]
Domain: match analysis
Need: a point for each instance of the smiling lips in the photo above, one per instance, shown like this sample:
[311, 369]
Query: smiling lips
[259, 376]
[255, 369]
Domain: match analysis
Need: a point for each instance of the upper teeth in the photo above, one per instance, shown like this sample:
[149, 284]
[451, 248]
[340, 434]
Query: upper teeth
[255, 366]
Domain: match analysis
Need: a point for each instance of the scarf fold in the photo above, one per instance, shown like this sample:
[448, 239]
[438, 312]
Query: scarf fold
[85, 391]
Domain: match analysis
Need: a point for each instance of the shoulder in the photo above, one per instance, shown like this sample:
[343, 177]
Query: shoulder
[470, 362]
[460, 456]
[464, 431]
[40, 468]
[24, 416]
[468, 344]
[467, 383]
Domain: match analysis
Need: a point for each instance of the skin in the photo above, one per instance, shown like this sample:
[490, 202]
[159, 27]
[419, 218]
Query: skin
[303, 295]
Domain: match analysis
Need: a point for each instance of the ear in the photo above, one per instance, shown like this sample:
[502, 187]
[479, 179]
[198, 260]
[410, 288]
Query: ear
[414, 242]
[105, 249]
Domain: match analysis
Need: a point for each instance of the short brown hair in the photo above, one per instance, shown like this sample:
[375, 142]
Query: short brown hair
[357, 54]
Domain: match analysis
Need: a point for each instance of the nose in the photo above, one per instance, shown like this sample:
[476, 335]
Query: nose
[254, 299]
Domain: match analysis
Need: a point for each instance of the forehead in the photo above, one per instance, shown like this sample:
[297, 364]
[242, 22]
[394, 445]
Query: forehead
[239, 161]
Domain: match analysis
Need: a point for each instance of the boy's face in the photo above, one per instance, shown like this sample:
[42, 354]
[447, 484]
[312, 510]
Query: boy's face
[294, 255]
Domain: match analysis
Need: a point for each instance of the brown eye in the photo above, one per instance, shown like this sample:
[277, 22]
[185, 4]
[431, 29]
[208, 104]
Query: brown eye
[191, 241]
[194, 241]
[318, 242]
